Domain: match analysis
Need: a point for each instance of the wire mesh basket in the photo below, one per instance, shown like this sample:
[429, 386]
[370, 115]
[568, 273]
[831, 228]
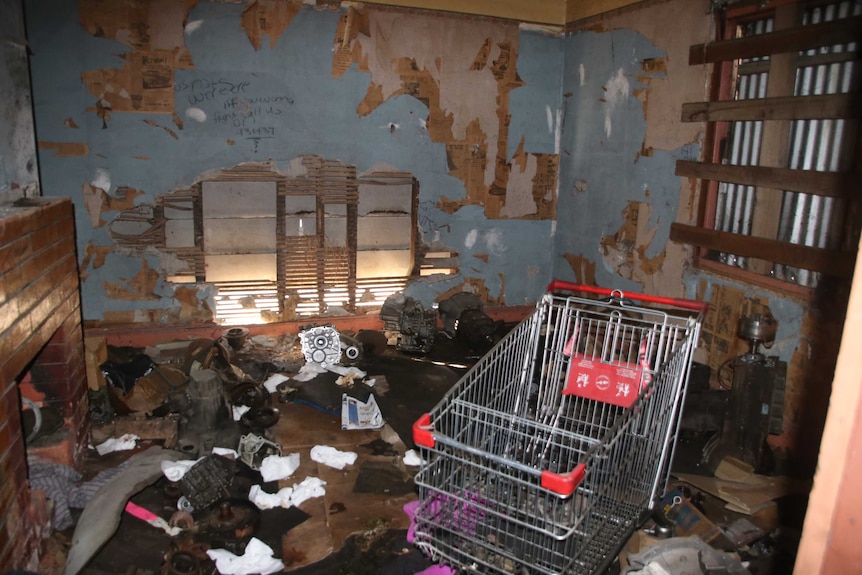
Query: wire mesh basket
[552, 449]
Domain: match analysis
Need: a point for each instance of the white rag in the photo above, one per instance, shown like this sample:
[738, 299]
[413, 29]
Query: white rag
[122, 443]
[256, 559]
[287, 496]
[174, 470]
[332, 457]
[412, 459]
[277, 467]
[271, 384]
[239, 410]
[309, 371]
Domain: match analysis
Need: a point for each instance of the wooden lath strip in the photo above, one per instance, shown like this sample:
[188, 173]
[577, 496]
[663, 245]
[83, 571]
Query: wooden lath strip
[829, 184]
[795, 39]
[828, 262]
[782, 108]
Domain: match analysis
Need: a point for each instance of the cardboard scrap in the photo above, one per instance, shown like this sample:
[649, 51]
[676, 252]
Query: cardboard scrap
[747, 496]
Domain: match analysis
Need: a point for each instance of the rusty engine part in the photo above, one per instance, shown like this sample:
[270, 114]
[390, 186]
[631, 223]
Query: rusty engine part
[415, 326]
[464, 319]
[234, 516]
[260, 418]
[207, 481]
[253, 449]
[181, 562]
[236, 336]
[321, 344]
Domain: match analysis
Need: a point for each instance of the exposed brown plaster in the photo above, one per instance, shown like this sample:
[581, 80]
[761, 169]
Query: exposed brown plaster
[154, 31]
[140, 287]
[93, 255]
[483, 257]
[584, 268]
[625, 251]
[231, 142]
[178, 122]
[478, 158]
[191, 308]
[70, 123]
[98, 201]
[141, 157]
[66, 149]
[165, 128]
[270, 17]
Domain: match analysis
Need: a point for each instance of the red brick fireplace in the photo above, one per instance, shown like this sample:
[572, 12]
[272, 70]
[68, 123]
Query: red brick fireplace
[41, 343]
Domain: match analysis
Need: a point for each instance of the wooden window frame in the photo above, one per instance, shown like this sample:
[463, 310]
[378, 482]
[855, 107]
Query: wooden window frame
[771, 177]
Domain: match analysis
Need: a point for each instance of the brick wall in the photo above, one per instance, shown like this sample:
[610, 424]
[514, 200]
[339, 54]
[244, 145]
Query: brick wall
[40, 337]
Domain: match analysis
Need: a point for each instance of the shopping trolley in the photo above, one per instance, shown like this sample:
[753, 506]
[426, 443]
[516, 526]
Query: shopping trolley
[553, 448]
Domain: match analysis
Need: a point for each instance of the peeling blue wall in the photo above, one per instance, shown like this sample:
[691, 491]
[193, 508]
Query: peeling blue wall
[603, 134]
[314, 113]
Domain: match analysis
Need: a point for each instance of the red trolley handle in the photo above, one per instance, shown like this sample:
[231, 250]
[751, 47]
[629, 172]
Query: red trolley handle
[559, 285]
[560, 483]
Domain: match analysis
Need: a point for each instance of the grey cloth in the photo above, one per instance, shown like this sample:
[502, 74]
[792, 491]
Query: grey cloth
[63, 485]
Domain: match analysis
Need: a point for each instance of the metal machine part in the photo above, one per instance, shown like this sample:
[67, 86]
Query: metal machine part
[757, 329]
[207, 480]
[321, 344]
[683, 556]
[415, 326]
[463, 317]
[253, 449]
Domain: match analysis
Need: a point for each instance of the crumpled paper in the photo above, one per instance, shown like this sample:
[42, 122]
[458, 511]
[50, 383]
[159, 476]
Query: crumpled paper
[277, 467]
[122, 443]
[332, 457]
[287, 496]
[258, 558]
[238, 411]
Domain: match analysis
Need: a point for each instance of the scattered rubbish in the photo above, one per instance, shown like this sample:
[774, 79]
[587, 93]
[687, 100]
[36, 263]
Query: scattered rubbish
[742, 490]
[676, 556]
[63, 486]
[347, 375]
[356, 414]
[151, 518]
[101, 516]
[238, 411]
[332, 457]
[412, 459]
[225, 452]
[258, 558]
[207, 480]
[309, 371]
[254, 449]
[743, 532]
[266, 341]
[277, 467]
[271, 383]
[125, 442]
[686, 518]
[286, 497]
[123, 376]
[174, 470]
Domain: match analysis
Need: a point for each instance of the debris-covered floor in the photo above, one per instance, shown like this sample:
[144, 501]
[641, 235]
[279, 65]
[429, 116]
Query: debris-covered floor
[315, 488]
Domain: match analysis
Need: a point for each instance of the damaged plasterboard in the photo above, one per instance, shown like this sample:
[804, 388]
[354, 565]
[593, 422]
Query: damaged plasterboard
[140, 287]
[467, 100]
[269, 17]
[98, 201]
[625, 251]
[145, 81]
